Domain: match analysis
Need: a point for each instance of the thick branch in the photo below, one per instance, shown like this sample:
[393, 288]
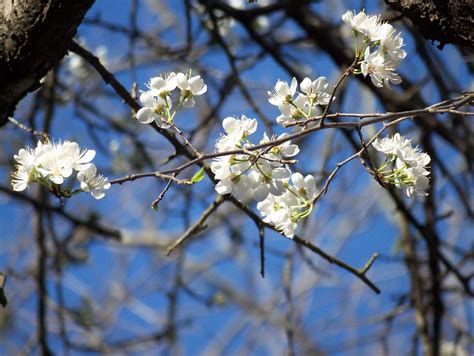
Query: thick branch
[34, 35]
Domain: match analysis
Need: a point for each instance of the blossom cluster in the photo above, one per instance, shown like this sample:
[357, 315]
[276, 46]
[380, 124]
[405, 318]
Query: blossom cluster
[249, 171]
[381, 51]
[305, 104]
[283, 198]
[158, 102]
[410, 164]
[50, 163]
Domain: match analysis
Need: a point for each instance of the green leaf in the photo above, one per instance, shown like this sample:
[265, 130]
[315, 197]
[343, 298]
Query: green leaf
[199, 176]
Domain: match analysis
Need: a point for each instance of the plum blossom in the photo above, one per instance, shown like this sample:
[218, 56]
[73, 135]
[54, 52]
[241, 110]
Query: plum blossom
[263, 175]
[285, 210]
[282, 94]
[236, 130]
[28, 161]
[391, 43]
[270, 179]
[57, 161]
[305, 186]
[163, 85]
[157, 101]
[156, 108]
[21, 178]
[232, 170]
[277, 211]
[299, 110]
[93, 183]
[410, 168]
[419, 185]
[190, 87]
[240, 185]
[316, 91]
[51, 163]
[251, 175]
[380, 70]
[390, 145]
[381, 50]
[362, 23]
[313, 93]
[80, 160]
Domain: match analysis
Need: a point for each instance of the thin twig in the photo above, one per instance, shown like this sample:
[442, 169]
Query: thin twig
[28, 129]
[197, 226]
[261, 234]
[154, 204]
[3, 298]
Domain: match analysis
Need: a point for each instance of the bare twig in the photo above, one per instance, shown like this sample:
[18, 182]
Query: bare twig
[197, 226]
[28, 129]
[3, 298]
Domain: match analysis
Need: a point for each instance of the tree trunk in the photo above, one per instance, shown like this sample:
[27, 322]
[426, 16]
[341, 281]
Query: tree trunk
[441, 20]
[34, 36]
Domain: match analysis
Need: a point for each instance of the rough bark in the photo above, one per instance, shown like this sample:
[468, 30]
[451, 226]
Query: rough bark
[441, 20]
[34, 35]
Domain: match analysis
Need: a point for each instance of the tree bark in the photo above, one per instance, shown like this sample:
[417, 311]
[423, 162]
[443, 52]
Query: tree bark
[34, 36]
[441, 20]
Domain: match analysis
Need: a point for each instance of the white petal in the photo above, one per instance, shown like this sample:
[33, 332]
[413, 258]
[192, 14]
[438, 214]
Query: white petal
[294, 84]
[297, 179]
[88, 156]
[223, 187]
[157, 83]
[98, 194]
[145, 115]
[261, 192]
[182, 81]
[147, 99]
[306, 86]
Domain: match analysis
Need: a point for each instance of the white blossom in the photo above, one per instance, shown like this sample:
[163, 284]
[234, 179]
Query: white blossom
[241, 186]
[299, 110]
[93, 183]
[190, 87]
[277, 211]
[56, 161]
[391, 43]
[231, 170]
[283, 150]
[390, 145]
[411, 165]
[50, 163]
[21, 178]
[156, 108]
[419, 185]
[282, 94]
[250, 175]
[380, 70]
[313, 93]
[28, 162]
[361, 22]
[80, 160]
[383, 48]
[412, 157]
[163, 85]
[28, 159]
[316, 90]
[305, 186]
[270, 179]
